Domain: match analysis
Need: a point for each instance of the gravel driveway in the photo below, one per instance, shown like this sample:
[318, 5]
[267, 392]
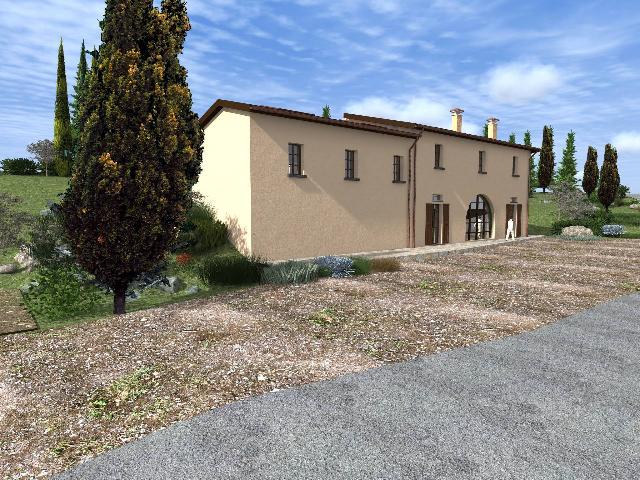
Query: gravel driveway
[71, 393]
[558, 403]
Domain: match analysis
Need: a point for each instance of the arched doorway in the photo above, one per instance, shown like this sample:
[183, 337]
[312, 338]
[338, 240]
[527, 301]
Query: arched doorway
[479, 219]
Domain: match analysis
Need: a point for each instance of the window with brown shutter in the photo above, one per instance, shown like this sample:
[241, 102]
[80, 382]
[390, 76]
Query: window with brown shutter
[514, 167]
[295, 160]
[350, 165]
[482, 162]
[438, 158]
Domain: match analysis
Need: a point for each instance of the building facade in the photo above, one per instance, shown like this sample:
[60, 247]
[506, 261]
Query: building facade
[293, 185]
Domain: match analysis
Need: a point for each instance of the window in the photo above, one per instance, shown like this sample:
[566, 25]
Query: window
[295, 160]
[350, 165]
[436, 197]
[514, 167]
[397, 172]
[438, 157]
[482, 162]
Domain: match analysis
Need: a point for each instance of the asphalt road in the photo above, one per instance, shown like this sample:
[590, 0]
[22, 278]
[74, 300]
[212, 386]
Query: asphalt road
[562, 402]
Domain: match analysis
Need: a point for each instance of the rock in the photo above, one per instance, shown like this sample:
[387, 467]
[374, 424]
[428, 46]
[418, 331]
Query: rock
[262, 378]
[26, 288]
[24, 259]
[576, 231]
[133, 295]
[175, 284]
[192, 290]
[9, 268]
[635, 206]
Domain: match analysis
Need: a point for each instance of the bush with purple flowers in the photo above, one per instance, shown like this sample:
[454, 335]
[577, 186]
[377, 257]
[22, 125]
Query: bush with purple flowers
[612, 230]
[340, 267]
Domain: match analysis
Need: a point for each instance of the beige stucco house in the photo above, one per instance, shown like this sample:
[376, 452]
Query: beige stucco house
[294, 185]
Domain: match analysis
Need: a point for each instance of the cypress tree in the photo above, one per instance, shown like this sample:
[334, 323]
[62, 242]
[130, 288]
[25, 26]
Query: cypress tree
[326, 111]
[590, 175]
[78, 97]
[609, 177]
[62, 136]
[569, 165]
[547, 162]
[533, 176]
[140, 146]
[485, 130]
[512, 138]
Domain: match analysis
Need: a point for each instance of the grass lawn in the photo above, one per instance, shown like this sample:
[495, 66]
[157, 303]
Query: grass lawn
[543, 212]
[35, 192]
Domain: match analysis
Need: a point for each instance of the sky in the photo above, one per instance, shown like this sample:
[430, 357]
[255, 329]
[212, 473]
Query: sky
[574, 65]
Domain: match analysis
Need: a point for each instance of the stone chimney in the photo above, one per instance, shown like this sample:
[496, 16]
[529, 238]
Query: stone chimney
[493, 127]
[456, 119]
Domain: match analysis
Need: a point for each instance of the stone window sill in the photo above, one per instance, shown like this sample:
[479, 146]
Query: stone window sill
[296, 176]
[352, 179]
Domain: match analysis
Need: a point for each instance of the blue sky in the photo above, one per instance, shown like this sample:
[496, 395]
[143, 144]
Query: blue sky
[574, 65]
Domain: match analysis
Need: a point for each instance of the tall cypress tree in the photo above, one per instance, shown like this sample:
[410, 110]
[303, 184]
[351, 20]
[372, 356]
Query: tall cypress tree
[609, 177]
[569, 165]
[485, 130]
[533, 175]
[590, 175]
[547, 161]
[512, 138]
[62, 136]
[140, 146]
[78, 97]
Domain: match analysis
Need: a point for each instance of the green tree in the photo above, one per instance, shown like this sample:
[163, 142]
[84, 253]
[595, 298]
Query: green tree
[80, 89]
[62, 136]
[533, 175]
[140, 146]
[547, 162]
[485, 130]
[590, 175]
[512, 138]
[609, 177]
[326, 111]
[569, 165]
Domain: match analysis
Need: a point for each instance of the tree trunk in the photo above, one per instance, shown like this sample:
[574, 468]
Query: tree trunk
[119, 298]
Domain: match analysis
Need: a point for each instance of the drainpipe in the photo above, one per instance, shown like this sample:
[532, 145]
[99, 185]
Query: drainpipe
[411, 212]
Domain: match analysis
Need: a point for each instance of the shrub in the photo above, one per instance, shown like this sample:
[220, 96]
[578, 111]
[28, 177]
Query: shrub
[47, 239]
[340, 267]
[61, 292]
[12, 221]
[571, 202]
[622, 193]
[612, 230]
[385, 265]
[202, 231]
[230, 270]
[290, 272]
[19, 166]
[595, 222]
[361, 265]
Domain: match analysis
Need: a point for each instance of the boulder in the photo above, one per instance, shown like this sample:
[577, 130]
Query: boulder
[576, 231]
[9, 268]
[24, 259]
[192, 290]
[635, 206]
[171, 285]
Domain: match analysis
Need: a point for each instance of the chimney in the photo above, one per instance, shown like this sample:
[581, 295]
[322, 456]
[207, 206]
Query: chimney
[492, 123]
[456, 119]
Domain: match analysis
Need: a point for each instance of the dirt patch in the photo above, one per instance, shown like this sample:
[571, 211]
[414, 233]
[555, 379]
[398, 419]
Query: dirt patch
[71, 393]
[13, 316]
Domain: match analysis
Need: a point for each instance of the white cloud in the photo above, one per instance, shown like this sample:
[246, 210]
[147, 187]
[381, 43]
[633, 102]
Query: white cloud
[520, 82]
[627, 142]
[417, 109]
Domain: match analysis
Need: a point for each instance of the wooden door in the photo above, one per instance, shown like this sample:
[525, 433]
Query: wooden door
[428, 230]
[445, 223]
[518, 221]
